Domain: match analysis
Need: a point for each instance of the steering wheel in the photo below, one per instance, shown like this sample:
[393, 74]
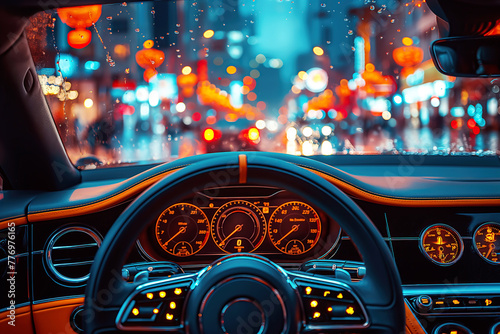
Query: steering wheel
[243, 293]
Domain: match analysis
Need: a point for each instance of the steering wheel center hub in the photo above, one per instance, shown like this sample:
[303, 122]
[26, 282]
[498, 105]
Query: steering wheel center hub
[253, 321]
[243, 294]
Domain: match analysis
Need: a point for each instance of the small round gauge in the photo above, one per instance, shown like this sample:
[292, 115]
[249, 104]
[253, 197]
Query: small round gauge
[238, 226]
[487, 242]
[182, 229]
[294, 228]
[442, 244]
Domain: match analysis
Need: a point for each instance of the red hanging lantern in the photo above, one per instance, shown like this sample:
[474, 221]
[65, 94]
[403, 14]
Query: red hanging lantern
[149, 59]
[80, 38]
[80, 18]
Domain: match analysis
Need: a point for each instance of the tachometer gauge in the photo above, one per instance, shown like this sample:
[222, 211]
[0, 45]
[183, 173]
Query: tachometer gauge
[294, 228]
[238, 226]
[182, 229]
[487, 242]
[441, 244]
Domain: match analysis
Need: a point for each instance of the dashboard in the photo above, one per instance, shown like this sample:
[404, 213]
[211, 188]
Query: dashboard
[445, 248]
[243, 219]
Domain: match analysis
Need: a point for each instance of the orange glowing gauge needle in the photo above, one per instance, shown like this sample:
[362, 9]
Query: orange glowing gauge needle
[181, 230]
[236, 229]
[492, 247]
[294, 228]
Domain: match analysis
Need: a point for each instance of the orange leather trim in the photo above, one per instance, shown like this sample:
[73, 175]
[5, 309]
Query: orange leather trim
[99, 205]
[53, 317]
[418, 203]
[58, 303]
[23, 322]
[242, 161]
[412, 324]
[18, 221]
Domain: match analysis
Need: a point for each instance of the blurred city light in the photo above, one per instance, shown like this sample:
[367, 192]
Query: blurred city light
[318, 51]
[88, 103]
[208, 34]
[186, 70]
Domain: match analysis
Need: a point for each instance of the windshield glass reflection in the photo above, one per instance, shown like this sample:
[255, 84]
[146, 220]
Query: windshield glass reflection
[155, 81]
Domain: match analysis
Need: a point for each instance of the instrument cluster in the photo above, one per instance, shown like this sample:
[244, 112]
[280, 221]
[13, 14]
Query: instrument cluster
[218, 221]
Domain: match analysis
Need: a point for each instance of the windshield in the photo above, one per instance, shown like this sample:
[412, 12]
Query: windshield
[156, 81]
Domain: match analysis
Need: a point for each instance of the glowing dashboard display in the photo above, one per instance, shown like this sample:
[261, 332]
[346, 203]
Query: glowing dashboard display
[268, 221]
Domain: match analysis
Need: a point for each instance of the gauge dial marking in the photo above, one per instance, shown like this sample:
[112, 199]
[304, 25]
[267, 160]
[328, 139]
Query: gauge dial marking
[294, 228]
[487, 242]
[238, 226]
[441, 244]
[182, 229]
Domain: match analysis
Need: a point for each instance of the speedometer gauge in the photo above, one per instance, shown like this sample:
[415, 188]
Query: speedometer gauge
[294, 228]
[487, 242]
[238, 226]
[182, 229]
[441, 244]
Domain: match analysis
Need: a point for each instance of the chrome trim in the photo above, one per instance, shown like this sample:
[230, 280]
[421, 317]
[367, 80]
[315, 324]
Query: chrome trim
[325, 281]
[47, 300]
[451, 289]
[145, 255]
[76, 246]
[474, 241]
[422, 250]
[460, 326]
[5, 309]
[73, 264]
[50, 246]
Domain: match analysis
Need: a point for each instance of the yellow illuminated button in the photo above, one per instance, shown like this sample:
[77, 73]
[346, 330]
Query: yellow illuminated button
[330, 309]
[326, 293]
[173, 305]
[439, 302]
[308, 290]
[149, 295]
[349, 310]
[316, 315]
[135, 311]
[454, 332]
[314, 303]
[169, 316]
[155, 311]
[163, 294]
[424, 301]
[178, 291]
[456, 302]
[340, 296]
[488, 302]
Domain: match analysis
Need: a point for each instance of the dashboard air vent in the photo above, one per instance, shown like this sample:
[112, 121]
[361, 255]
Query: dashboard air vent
[70, 253]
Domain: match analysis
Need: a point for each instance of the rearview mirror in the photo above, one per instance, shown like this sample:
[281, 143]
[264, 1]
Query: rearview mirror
[467, 56]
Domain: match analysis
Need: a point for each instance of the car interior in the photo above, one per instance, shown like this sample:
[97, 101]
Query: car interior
[236, 222]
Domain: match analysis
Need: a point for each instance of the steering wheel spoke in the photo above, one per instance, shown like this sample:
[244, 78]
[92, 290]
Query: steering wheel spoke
[329, 304]
[156, 305]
